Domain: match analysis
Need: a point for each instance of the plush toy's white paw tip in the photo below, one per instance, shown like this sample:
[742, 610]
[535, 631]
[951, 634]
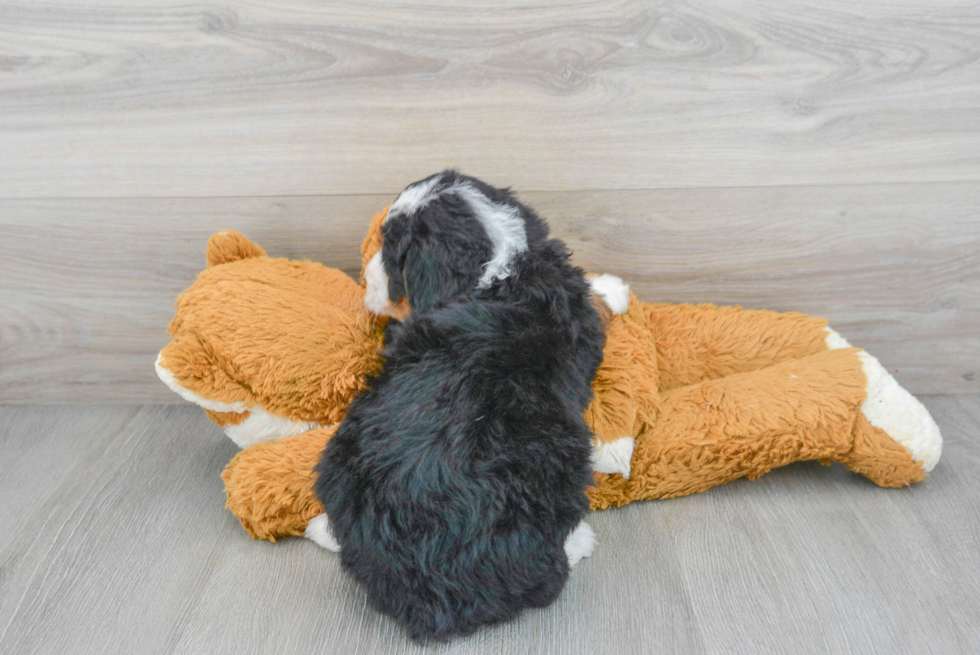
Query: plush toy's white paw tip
[615, 293]
[834, 340]
[613, 456]
[318, 531]
[893, 409]
[580, 543]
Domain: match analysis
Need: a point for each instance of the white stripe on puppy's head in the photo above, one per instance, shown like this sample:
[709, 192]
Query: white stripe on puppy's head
[503, 223]
[503, 226]
[414, 197]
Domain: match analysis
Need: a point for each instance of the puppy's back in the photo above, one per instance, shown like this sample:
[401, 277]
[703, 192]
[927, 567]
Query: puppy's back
[453, 483]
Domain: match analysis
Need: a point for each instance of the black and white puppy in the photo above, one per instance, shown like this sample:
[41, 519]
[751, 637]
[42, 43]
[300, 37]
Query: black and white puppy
[455, 485]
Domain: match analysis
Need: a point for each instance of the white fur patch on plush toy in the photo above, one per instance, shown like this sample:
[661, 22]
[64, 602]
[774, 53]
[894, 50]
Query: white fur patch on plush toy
[613, 290]
[893, 409]
[580, 543]
[261, 426]
[613, 456]
[214, 405]
[413, 198]
[834, 340]
[318, 531]
[890, 407]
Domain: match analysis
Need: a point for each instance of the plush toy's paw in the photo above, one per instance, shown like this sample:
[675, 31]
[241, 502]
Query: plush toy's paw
[613, 290]
[891, 408]
[613, 456]
[580, 543]
[318, 531]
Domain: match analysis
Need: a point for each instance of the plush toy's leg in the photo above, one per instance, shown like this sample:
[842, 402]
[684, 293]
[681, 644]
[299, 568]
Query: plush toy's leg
[706, 342]
[621, 397]
[744, 425]
[269, 486]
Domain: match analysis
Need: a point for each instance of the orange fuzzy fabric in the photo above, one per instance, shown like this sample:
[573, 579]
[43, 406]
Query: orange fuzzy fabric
[273, 485]
[288, 336]
[710, 394]
[743, 425]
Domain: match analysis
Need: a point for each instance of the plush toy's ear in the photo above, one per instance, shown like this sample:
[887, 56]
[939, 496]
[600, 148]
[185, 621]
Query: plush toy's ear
[230, 246]
[373, 241]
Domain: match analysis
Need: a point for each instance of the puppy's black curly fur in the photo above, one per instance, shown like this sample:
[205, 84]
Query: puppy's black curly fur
[452, 483]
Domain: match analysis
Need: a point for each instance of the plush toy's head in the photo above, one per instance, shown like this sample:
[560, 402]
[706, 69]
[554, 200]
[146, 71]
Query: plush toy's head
[269, 346]
[272, 348]
[372, 243]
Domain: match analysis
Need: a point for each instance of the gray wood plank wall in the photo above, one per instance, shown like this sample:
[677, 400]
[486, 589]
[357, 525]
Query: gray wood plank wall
[816, 156]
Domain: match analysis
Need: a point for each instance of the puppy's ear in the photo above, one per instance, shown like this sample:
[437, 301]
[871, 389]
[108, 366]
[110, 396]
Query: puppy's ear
[428, 275]
[435, 254]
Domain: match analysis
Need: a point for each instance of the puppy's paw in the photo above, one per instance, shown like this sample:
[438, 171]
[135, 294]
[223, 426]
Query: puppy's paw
[318, 531]
[614, 292]
[580, 543]
[613, 456]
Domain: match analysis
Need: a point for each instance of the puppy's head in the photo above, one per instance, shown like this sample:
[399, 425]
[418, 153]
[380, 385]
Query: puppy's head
[444, 236]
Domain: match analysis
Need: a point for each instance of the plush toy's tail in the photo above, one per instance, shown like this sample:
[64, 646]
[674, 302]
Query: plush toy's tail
[229, 246]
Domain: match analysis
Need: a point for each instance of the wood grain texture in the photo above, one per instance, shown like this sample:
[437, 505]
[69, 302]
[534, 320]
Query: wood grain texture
[37, 451]
[115, 541]
[794, 155]
[114, 553]
[812, 559]
[87, 286]
[111, 98]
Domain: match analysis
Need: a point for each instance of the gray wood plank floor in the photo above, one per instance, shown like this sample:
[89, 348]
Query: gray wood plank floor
[113, 539]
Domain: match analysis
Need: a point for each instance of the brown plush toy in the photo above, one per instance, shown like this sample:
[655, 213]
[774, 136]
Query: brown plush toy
[687, 397]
